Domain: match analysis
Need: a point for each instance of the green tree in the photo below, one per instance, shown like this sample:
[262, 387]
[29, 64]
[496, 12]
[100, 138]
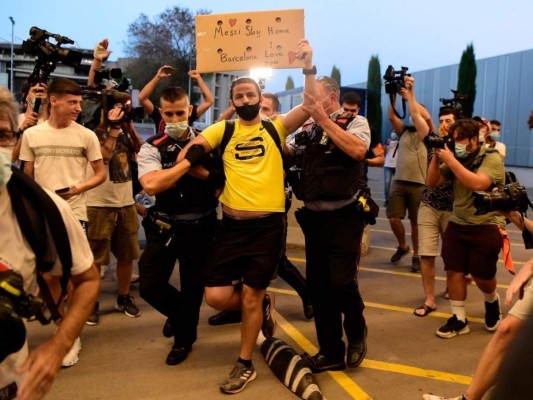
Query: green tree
[168, 39]
[289, 84]
[466, 82]
[374, 113]
[336, 75]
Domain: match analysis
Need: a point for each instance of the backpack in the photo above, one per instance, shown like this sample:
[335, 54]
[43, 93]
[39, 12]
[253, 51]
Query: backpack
[42, 225]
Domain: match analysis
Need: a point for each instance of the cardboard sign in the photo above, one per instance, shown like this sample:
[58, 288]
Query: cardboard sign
[241, 41]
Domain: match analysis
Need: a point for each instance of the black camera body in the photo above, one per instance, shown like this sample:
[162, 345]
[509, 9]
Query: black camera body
[394, 80]
[15, 304]
[512, 198]
[456, 103]
[48, 55]
[433, 141]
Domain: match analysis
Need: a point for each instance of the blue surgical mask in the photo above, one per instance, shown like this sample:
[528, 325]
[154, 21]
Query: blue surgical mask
[494, 135]
[460, 151]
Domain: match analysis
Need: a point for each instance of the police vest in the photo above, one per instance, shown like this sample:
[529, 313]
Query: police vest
[189, 194]
[324, 171]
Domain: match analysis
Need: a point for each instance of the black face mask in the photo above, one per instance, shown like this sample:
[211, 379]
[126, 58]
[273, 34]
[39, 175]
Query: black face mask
[248, 112]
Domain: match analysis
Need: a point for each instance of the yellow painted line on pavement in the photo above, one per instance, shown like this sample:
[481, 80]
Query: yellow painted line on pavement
[400, 273]
[414, 371]
[345, 382]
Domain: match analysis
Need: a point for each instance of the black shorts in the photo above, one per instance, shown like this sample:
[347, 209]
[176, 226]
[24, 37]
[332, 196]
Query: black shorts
[245, 250]
[472, 249]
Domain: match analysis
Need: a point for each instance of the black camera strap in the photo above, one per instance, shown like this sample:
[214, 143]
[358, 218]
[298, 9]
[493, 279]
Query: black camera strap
[42, 225]
[391, 97]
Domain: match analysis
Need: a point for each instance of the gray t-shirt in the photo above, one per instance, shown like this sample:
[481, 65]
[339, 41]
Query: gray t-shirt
[411, 158]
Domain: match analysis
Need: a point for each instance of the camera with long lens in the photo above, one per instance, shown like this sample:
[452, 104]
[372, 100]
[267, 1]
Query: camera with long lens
[48, 55]
[16, 304]
[433, 141]
[456, 103]
[513, 197]
[394, 80]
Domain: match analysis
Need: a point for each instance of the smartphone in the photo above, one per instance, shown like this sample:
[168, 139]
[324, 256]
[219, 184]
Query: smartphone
[170, 70]
[63, 190]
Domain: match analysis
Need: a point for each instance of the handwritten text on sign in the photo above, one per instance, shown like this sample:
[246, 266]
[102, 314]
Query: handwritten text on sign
[241, 41]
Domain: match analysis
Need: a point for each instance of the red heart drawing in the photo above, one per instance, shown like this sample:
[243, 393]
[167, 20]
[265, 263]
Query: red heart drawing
[232, 21]
[292, 56]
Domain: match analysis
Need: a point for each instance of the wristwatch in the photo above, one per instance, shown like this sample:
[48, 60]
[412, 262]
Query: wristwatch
[309, 71]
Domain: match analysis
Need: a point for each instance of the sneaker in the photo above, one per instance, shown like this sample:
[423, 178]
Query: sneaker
[415, 264]
[71, 358]
[320, 363]
[238, 378]
[493, 315]
[453, 328]
[94, 318]
[126, 304]
[399, 254]
[356, 352]
[269, 324]
[433, 397]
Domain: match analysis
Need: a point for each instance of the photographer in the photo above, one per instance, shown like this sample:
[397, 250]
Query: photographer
[471, 243]
[410, 175]
[35, 374]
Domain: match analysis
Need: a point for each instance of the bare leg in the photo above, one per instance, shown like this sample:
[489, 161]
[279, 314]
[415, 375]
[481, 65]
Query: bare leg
[486, 286]
[399, 231]
[124, 271]
[252, 318]
[414, 238]
[491, 359]
[427, 265]
[456, 285]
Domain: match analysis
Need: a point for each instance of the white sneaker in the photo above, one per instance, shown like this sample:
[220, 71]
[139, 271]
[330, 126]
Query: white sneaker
[433, 397]
[71, 358]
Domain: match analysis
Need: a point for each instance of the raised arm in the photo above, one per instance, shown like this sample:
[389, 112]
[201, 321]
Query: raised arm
[297, 116]
[209, 100]
[397, 124]
[422, 127]
[148, 89]
[100, 54]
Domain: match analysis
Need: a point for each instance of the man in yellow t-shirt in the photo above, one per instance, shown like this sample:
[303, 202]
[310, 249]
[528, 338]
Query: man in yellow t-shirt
[249, 241]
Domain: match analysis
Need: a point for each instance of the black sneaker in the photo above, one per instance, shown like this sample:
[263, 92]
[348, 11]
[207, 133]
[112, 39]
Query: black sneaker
[238, 378]
[269, 324]
[493, 315]
[415, 264]
[225, 317]
[399, 254]
[126, 304]
[357, 351]
[94, 318]
[453, 328]
[309, 313]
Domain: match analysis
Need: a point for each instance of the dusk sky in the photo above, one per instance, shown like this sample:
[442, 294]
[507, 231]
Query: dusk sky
[345, 33]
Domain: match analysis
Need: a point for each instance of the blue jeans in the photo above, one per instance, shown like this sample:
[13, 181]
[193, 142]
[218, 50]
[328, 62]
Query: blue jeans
[388, 174]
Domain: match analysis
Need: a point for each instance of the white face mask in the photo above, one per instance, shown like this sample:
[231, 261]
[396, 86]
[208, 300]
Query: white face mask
[175, 129]
[5, 167]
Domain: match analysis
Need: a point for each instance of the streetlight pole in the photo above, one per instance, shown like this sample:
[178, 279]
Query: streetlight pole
[12, 83]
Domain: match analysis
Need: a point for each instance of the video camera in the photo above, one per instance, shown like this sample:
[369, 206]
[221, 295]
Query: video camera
[512, 198]
[15, 304]
[434, 141]
[455, 103]
[48, 55]
[394, 81]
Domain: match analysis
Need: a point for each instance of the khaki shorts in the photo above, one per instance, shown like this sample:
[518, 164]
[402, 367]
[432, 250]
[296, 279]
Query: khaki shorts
[522, 309]
[431, 224]
[113, 229]
[404, 196]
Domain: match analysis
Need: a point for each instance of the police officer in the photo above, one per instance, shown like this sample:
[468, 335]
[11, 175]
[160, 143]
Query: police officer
[330, 154]
[179, 226]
